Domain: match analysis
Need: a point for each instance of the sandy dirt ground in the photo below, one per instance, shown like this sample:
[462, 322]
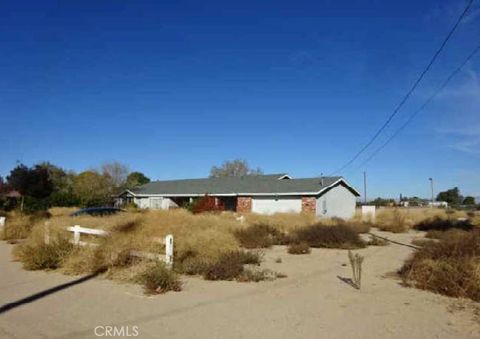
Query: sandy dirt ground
[312, 302]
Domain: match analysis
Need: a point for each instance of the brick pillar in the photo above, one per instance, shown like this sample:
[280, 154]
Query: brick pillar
[244, 204]
[309, 205]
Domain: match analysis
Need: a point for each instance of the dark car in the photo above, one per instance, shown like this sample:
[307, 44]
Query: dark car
[97, 211]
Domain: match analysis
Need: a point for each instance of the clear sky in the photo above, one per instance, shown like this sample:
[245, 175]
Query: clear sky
[173, 87]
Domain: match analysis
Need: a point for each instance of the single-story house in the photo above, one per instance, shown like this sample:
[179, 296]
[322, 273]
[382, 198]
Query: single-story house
[265, 194]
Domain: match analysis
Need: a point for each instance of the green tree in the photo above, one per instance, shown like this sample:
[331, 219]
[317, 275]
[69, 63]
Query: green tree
[135, 179]
[34, 184]
[382, 202]
[469, 201]
[451, 196]
[92, 188]
[234, 168]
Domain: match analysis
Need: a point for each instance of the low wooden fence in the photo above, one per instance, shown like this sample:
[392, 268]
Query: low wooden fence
[78, 230]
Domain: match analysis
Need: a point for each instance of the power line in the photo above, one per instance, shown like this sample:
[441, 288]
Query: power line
[425, 104]
[405, 98]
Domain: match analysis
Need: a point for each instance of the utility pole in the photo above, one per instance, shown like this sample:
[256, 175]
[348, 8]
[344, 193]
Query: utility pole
[431, 186]
[365, 187]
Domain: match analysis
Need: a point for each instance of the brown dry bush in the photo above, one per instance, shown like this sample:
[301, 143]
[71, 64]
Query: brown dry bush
[439, 224]
[336, 236]
[450, 266]
[376, 241]
[394, 221]
[299, 248]
[259, 236]
[19, 225]
[44, 256]
[230, 265]
[157, 278]
[284, 222]
[257, 275]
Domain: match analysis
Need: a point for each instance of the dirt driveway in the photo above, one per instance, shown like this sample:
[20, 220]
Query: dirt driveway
[312, 302]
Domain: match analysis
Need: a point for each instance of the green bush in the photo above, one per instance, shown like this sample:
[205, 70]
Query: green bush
[337, 236]
[159, 279]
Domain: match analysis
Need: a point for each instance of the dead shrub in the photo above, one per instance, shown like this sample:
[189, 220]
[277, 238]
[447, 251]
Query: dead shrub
[439, 224]
[44, 256]
[256, 275]
[421, 242]
[394, 221]
[192, 266]
[359, 226]
[376, 241]
[157, 279]
[449, 233]
[19, 226]
[259, 236]
[336, 236]
[299, 248]
[230, 265]
[450, 266]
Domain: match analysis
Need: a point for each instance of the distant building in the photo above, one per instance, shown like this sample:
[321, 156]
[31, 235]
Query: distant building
[438, 204]
[265, 194]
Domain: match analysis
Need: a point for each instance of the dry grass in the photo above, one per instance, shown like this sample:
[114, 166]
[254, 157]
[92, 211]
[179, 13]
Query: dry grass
[205, 236]
[398, 220]
[19, 225]
[260, 236]
[62, 211]
[440, 224]
[284, 222]
[450, 266]
[335, 236]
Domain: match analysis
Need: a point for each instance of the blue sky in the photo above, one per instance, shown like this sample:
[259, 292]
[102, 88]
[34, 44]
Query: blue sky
[173, 87]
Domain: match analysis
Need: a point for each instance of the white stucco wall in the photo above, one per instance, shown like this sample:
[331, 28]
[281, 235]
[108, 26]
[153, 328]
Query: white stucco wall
[154, 203]
[337, 202]
[270, 205]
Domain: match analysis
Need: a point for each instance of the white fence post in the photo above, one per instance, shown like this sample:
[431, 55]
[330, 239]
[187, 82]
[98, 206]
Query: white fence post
[169, 249]
[76, 234]
[2, 224]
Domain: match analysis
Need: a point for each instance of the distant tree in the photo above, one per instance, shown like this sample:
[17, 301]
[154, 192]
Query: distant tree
[19, 179]
[234, 168]
[468, 201]
[61, 179]
[3, 186]
[382, 202]
[451, 196]
[92, 188]
[116, 172]
[33, 182]
[135, 179]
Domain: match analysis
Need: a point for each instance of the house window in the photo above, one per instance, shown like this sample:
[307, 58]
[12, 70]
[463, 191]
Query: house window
[324, 206]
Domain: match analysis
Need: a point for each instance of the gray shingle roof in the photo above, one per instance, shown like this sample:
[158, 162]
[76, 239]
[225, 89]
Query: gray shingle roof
[268, 184]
